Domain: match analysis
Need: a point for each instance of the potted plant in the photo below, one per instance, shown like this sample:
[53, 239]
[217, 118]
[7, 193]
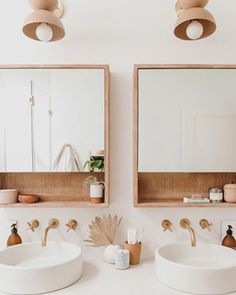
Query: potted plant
[95, 164]
[96, 189]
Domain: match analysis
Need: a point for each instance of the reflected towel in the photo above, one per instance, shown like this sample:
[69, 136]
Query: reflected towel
[67, 160]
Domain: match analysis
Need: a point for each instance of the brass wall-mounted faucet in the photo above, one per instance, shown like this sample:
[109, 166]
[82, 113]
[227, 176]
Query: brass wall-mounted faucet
[52, 224]
[33, 225]
[186, 224]
[72, 225]
[205, 224]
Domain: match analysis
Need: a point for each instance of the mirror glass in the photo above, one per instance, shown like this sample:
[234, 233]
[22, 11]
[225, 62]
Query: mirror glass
[187, 120]
[51, 120]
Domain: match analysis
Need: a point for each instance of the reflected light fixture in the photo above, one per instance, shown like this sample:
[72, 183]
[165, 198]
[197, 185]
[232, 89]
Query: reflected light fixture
[194, 21]
[43, 24]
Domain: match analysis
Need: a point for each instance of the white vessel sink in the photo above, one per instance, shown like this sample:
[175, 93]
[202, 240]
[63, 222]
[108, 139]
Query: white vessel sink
[205, 269]
[31, 269]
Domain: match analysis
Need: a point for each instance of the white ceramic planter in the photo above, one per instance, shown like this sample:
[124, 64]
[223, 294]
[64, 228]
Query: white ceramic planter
[96, 193]
[96, 190]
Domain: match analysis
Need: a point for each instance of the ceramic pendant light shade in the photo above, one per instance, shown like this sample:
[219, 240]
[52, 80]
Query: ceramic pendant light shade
[194, 21]
[42, 24]
[186, 4]
[38, 17]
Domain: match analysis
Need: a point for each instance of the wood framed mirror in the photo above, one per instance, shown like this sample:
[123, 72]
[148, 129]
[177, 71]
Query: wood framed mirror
[184, 133]
[54, 131]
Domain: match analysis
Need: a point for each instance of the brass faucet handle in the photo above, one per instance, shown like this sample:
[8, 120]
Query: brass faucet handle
[204, 223]
[33, 225]
[184, 223]
[72, 225]
[167, 225]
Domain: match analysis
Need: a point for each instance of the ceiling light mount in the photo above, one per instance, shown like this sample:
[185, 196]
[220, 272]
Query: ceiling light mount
[194, 21]
[186, 4]
[43, 24]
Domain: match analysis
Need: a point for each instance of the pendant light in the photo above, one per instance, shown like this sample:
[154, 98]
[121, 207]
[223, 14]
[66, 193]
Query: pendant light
[194, 21]
[43, 24]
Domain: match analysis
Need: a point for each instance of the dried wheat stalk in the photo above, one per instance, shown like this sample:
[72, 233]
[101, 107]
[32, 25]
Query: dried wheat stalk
[103, 230]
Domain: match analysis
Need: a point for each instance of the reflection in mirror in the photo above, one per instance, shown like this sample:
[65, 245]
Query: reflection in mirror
[52, 120]
[187, 120]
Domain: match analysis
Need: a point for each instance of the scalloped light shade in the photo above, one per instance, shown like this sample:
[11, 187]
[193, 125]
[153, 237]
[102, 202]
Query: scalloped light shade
[40, 16]
[186, 4]
[44, 4]
[197, 13]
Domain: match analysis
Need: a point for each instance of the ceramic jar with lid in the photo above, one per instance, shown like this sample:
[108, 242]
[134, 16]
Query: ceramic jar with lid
[230, 193]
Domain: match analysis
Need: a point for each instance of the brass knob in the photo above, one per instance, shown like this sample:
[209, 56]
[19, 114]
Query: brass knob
[33, 225]
[72, 225]
[204, 223]
[166, 224]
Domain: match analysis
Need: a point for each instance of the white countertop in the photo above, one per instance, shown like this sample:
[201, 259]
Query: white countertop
[100, 278]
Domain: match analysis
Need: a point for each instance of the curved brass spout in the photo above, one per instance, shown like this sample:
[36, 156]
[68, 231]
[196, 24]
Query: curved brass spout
[53, 223]
[185, 224]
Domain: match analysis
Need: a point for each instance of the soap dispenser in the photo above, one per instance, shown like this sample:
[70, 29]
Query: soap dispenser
[14, 238]
[229, 240]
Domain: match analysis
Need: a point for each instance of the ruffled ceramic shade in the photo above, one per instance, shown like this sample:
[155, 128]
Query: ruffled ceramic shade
[196, 13]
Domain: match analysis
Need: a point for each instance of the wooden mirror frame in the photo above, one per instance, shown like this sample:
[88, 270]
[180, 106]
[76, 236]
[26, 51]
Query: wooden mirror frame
[57, 186]
[204, 179]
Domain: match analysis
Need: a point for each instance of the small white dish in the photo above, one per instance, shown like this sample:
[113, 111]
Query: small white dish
[8, 196]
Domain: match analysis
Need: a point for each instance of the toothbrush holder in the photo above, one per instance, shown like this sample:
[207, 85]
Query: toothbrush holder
[134, 251]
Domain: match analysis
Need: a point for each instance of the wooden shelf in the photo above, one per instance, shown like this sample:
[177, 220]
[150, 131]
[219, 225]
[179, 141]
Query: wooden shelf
[57, 204]
[55, 190]
[160, 190]
[180, 204]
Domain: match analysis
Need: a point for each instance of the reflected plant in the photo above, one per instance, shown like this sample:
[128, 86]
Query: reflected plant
[95, 164]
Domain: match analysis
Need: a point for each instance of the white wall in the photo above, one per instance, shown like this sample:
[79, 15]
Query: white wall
[121, 33]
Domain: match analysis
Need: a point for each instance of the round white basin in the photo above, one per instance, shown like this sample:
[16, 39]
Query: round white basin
[205, 269]
[31, 269]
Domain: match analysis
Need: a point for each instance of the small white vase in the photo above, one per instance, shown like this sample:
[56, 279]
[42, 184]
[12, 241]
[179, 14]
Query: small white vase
[110, 253]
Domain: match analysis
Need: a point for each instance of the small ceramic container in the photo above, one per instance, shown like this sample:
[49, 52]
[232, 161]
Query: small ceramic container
[28, 198]
[8, 196]
[122, 259]
[230, 193]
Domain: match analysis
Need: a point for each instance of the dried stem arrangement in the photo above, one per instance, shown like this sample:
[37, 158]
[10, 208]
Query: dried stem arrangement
[103, 231]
